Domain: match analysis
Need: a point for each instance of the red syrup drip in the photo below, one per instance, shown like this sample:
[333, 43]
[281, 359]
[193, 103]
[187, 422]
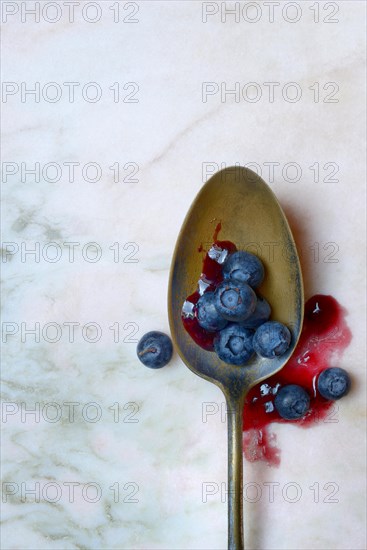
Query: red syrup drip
[218, 228]
[324, 337]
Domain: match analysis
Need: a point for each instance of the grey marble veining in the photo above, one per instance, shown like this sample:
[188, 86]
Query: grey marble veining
[115, 455]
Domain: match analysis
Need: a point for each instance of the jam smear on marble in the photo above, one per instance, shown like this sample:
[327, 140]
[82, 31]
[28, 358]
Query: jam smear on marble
[324, 337]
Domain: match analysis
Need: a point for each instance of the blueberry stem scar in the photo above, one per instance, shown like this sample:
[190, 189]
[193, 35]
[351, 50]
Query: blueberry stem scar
[148, 350]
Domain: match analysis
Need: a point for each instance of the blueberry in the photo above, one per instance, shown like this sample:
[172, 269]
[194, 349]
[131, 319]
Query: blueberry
[234, 301]
[154, 349]
[272, 339]
[259, 316]
[207, 315]
[244, 267]
[292, 402]
[333, 383]
[233, 344]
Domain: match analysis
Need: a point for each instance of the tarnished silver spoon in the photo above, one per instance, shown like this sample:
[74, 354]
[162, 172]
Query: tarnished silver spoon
[249, 213]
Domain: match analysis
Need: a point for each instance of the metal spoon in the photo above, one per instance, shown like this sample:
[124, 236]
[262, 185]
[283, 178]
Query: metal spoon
[252, 218]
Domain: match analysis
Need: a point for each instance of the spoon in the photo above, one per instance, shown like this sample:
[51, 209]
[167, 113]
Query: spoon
[252, 219]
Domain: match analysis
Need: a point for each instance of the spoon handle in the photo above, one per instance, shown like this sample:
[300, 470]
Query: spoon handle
[235, 489]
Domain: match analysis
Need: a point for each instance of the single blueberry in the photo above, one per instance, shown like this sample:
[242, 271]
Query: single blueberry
[234, 301]
[233, 344]
[333, 383]
[292, 402]
[154, 349]
[259, 316]
[272, 339]
[244, 267]
[207, 315]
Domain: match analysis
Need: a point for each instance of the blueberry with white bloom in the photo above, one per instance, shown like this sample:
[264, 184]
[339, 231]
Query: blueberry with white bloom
[234, 301]
[292, 402]
[154, 349]
[333, 383]
[244, 267]
[272, 339]
[207, 315]
[233, 344]
[259, 316]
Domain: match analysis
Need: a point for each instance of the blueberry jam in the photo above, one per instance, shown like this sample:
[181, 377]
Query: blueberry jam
[324, 337]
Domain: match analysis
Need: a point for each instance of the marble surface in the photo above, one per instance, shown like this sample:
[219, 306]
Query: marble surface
[117, 456]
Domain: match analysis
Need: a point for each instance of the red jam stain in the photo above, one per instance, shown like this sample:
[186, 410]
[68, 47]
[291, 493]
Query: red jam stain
[210, 277]
[324, 337]
[200, 336]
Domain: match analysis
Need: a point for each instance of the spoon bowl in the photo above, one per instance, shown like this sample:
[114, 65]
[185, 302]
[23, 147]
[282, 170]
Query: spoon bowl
[253, 220]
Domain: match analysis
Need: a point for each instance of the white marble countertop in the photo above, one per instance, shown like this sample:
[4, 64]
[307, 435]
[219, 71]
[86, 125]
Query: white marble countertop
[134, 105]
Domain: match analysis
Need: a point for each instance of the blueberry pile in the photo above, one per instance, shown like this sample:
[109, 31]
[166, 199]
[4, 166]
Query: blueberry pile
[238, 315]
